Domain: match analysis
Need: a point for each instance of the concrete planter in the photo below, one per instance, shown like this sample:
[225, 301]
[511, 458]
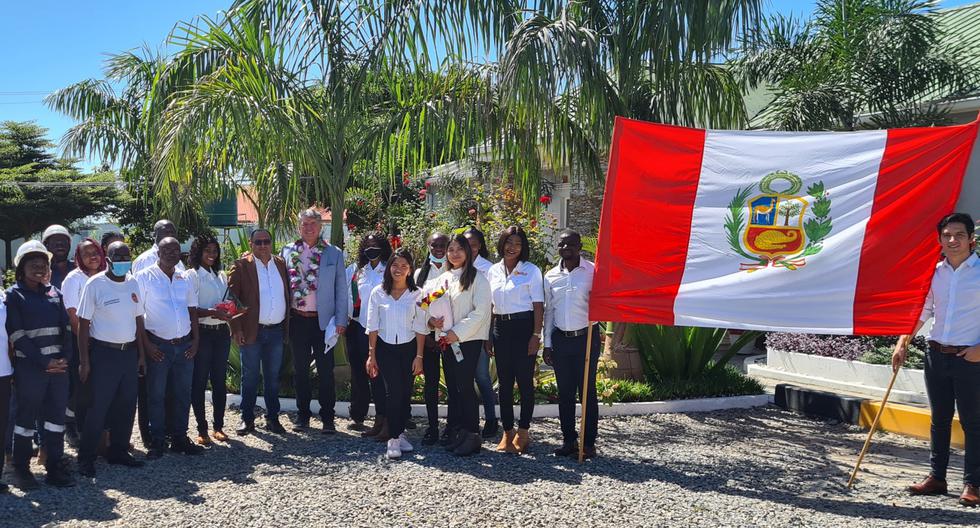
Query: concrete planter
[841, 375]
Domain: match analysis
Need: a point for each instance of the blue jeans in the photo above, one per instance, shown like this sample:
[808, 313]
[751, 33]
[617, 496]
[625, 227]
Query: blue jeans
[176, 371]
[267, 350]
[486, 387]
[210, 364]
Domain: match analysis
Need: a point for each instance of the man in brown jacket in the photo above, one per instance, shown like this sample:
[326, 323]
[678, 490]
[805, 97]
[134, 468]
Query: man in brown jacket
[260, 282]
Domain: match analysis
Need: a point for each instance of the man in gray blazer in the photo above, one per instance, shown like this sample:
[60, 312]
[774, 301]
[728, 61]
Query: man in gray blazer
[318, 293]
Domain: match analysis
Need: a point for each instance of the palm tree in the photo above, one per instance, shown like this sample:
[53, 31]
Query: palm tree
[883, 59]
[297, 95]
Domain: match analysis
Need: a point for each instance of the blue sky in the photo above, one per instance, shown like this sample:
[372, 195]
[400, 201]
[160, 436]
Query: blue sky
[49, 44]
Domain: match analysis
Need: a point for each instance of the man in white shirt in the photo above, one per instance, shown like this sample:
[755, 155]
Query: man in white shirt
[260, 282]
[162, 229]
[952, 367]
[566, 322]
[169, 339]
[109, 319]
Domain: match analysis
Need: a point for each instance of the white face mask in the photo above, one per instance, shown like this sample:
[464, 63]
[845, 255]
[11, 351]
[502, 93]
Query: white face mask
[434, 260]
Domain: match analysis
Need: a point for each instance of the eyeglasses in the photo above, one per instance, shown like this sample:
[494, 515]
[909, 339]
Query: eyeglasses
[262, 242]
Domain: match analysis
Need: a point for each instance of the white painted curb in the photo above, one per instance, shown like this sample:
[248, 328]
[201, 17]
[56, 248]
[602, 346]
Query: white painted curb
[550, 410]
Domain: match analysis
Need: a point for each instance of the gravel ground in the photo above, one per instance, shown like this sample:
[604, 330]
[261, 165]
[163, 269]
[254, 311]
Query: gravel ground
[760, 467]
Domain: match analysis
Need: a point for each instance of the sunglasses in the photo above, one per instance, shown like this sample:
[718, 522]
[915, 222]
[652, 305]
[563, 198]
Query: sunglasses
[262, 242]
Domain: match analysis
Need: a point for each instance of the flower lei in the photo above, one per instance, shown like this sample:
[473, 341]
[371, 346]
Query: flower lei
[302, 284]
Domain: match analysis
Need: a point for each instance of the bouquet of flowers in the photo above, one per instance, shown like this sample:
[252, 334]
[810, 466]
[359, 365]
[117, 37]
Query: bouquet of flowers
[231, 305]
[437, 304]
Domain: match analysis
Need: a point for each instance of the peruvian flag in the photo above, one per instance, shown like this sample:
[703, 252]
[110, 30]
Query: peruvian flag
[822, 232]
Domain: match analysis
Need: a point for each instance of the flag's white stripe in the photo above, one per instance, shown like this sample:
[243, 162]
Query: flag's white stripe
[820, 296]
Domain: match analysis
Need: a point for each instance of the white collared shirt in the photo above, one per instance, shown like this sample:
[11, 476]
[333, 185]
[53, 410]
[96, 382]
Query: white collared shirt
[396, 320]
[150, 257]
[209, 287]
[482, 265]
[518, 291]
[71, 287]
[272, 295]
[566, 298]
[165, 301]
[367, 279]
[111, 307]
[954, 301]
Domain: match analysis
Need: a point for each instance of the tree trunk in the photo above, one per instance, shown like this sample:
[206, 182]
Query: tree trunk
[8, 246]
[337, 219]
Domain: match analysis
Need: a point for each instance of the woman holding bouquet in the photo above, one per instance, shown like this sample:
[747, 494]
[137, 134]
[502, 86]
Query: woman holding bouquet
[478, 245]
[469, 295]
[372, 255]
[211, 361]
[518, 315]
[396, 327]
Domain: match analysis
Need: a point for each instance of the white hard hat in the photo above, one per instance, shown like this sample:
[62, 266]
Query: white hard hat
[54, 229]
[31, 246]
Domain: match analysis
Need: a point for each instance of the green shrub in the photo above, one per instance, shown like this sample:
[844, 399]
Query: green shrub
[882, 355]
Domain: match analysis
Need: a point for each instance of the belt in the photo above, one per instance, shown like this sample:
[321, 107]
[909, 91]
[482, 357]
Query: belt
[117, 346]
[572, 333]
[301, 313]
[218, 326]
[935, 346]
[177, 341]
[515, 316]
[270, 326]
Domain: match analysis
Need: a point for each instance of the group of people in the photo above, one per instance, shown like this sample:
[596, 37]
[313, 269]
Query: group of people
[99, 337]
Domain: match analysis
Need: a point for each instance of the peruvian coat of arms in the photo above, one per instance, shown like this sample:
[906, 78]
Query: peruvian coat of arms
[778, 227]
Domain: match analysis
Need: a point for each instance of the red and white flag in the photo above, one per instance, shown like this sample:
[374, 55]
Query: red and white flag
[823, 232]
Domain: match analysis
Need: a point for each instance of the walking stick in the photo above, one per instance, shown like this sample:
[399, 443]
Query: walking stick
[874, 426]
[585, 393]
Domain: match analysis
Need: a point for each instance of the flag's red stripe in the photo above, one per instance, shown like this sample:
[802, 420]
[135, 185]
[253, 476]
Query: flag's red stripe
[918, 183]
[646, 221]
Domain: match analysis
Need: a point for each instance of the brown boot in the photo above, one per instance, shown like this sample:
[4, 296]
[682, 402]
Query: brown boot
[383, 435]
[522, 441]
[506, 444]
[929, 486]
[970, 497]
[379, 421]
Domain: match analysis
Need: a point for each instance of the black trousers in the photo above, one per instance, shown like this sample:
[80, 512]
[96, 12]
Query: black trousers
[430, 370]
[4, 411]
[469, 402]
[363, 388]
[113, 379]
[395, 365]
[143, 408]
[211, 364]
[952, 381]
[510, 340]
[568, 358]
[79, 395]
[41, 398]
[306, 342]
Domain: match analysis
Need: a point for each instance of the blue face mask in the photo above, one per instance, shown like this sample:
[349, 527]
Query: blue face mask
[434, 260]
[120, 269]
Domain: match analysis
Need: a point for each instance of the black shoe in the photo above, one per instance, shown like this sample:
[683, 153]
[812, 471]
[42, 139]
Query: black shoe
[4, 488]
[86, 468]
[124, 459]
[470, 444]
[59, 478]
[589, 452]
[410, 424]
[489, 429]
[460, 437]
[273, 426]
[358, 425]
[156, 451]
[245, 428]
[24, 479]
[566, 450]
[446, 437]
[328, 428]
[431, 436]
[185, 446]
[302, 423]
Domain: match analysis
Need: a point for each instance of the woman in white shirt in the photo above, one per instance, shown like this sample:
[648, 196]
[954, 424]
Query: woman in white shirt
[469, 295]
[6, 374]
[518, 315]
[374, 251]
[428, 277]
[478, 246]
[89, 260]
[211, 361]
[396, 327]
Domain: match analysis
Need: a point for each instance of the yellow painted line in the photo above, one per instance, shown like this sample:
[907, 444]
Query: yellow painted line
[906, 420]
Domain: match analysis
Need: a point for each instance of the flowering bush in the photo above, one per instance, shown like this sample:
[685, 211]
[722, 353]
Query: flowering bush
[869, 349]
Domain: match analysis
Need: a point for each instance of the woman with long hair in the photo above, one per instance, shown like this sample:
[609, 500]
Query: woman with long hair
[478, 246]
[469, 295]
[372, 255]
[396, 328]
[518, 315]
[211, 362]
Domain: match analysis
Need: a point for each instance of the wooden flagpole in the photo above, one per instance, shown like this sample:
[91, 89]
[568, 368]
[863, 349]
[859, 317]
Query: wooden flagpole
[874, 426]
[585, 393]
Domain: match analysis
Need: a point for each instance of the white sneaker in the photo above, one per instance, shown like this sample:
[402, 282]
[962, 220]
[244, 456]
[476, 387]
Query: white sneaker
[404, 445]
[394, 449]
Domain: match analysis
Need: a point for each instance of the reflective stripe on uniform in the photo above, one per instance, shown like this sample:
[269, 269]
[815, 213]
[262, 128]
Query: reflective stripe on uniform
[49, 350]
[36, 332]
[69, 413]
[54, 428]
[18, 430]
